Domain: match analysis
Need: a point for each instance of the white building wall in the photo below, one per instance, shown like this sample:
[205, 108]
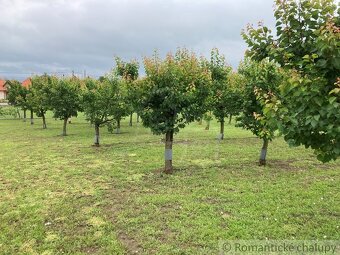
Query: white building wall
[2, 95]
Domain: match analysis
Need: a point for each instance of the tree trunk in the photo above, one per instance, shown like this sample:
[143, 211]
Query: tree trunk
[208, 125]
[18, 113]
[130, 123]
[32, 120]
[169, 136]
[24, 115]
[137, 118]
[64, 126]
[230, 118]
[263, 154]
[118, 127]
[44, 120]
[222, 130]
[96, 137]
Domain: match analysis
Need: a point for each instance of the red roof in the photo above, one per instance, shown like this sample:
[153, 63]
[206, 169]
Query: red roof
[26, 83]
[2, 85]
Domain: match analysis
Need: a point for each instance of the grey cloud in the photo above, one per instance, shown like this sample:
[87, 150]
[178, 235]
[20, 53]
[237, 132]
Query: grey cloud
[60, 36]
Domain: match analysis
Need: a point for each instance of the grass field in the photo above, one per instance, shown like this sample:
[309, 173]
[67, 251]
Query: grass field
[60, 195]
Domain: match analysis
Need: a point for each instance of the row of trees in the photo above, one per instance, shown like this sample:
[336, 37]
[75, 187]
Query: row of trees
[177, 90]
[183, 88]
[288, 83]
[104, 101]
[62, 96]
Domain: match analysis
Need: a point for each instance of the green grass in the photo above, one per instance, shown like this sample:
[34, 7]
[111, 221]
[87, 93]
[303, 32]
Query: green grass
[60, 195]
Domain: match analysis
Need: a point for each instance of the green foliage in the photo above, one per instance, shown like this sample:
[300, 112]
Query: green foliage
[234, 98]
[8, 111]
[65, 98]
[96, 101]
[40, 92]
[220, 96]
[219, 69]
[261, 78]
[122, 106]
[226, 90]
[104, 101]
[316, 124]
[126, 70]
[13, 91]
[134, 93]
[208, 116]
[174, 91]
[296, 25]
[307, 45]
[17, 94]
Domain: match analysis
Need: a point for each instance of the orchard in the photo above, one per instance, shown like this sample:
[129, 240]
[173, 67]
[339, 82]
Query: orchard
[136, 172]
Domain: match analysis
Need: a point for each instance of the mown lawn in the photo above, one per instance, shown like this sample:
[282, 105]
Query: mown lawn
[60, 195]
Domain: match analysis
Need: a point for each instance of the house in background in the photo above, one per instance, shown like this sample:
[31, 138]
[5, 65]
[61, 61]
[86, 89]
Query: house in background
[3, 89]
[27, 83]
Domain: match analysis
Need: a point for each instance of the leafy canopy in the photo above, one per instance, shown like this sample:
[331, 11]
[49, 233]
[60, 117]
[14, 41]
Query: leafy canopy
[17, 94]
[98, 100]
[260, 78]
[220, 89]
[174, 91]
[66, 98]
[128, 71]
[39, 93]
[307, 45]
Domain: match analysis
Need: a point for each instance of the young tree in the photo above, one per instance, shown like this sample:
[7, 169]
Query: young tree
[307, 45]
[13, 91]
[260, 78]
[99, 103]
[220, 72]
[17, 96]
[122, 107]
[65, 99]
[39, 96]
[173, 94]
[31, 116]
[208, 116]
[234, 99]
[128, 71]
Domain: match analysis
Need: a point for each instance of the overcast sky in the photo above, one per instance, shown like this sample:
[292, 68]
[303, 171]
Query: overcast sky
[58, 36]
